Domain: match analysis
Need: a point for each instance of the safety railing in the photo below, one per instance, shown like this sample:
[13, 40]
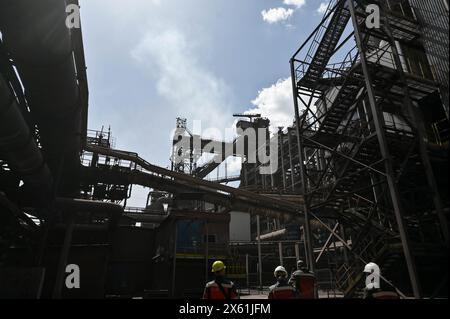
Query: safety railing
[441, 131]
[318, 48]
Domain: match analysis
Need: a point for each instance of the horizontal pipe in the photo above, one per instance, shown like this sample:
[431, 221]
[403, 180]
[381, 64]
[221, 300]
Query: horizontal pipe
[247, 196]
[273, 234]
[19, 149]
[75, 205]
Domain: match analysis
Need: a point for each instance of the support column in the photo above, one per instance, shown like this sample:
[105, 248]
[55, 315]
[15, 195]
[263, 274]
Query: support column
[291, 164]
[174, 270]
[280, 252]
[417, 119]
[283, 171]
[390, 174]
[308, 237]
[206, 251]
[247, 271]
[258, 234]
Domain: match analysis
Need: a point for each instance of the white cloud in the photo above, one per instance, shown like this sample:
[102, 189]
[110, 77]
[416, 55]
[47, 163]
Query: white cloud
[296, 3]
[322, 8]
[279, 14]
[276, 103]
[275, 15]
[188, 87]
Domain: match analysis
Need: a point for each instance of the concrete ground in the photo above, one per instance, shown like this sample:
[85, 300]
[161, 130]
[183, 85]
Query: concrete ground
[254, 294]
[257, 294]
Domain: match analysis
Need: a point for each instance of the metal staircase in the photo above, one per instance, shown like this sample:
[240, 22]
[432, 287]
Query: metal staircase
[206, 169]
[325, 42]
[349, 276]
[337, 112]
[372, 177]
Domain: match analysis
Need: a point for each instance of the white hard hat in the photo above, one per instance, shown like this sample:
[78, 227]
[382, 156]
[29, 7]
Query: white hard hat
[371, 267]
[279, 269]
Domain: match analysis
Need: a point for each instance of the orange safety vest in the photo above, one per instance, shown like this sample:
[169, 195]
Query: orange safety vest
[214, 291]
[282, 291]
[307, 286]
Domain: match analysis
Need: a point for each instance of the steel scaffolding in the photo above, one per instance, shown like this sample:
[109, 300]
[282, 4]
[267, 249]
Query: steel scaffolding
[363, 140]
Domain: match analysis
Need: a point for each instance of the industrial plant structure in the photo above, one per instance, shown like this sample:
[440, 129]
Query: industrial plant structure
[362, 173]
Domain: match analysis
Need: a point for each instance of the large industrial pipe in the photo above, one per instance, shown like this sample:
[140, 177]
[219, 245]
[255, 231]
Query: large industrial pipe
[36, 36]
[18, 147]
[68, 206]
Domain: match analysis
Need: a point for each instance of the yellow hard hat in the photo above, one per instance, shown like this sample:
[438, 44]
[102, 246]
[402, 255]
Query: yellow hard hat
[218, 266]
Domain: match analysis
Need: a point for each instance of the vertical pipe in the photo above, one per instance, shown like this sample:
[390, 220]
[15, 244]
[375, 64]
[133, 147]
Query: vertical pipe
[280, 252]
[297, 253]
[244, 167]
[174, 271]
[258, 234]
[283, 171]
[308, 237]
[291, 164]
[390, 174]
[247, 271]
[206, 251]
[263, 181]
[255, 172]
[272, 180]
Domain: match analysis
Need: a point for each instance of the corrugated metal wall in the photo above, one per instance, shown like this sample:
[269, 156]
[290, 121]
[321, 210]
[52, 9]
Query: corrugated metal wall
[433, 15]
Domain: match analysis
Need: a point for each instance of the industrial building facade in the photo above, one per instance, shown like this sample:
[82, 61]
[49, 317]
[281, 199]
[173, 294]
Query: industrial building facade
[362, 172]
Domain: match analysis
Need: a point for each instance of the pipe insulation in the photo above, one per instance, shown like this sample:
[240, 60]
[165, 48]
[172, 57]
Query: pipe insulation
[36, 36]
[18, 147]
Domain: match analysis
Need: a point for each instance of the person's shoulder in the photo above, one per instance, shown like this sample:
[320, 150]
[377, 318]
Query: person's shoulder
[227, 283]
[210, 284]
[307, 273]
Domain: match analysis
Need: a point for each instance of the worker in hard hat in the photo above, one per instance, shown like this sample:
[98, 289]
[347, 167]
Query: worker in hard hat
[304, 281]
[373, 288]
[220, 287]
[301, 267]
[282, 289]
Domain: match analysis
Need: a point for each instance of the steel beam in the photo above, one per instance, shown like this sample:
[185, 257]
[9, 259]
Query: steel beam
[308, 235]
[291, 164]
[258, 236]
[390, 174]
[421, 134]
[327, 243]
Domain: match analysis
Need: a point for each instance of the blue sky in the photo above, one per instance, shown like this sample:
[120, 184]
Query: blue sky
[150, 61]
